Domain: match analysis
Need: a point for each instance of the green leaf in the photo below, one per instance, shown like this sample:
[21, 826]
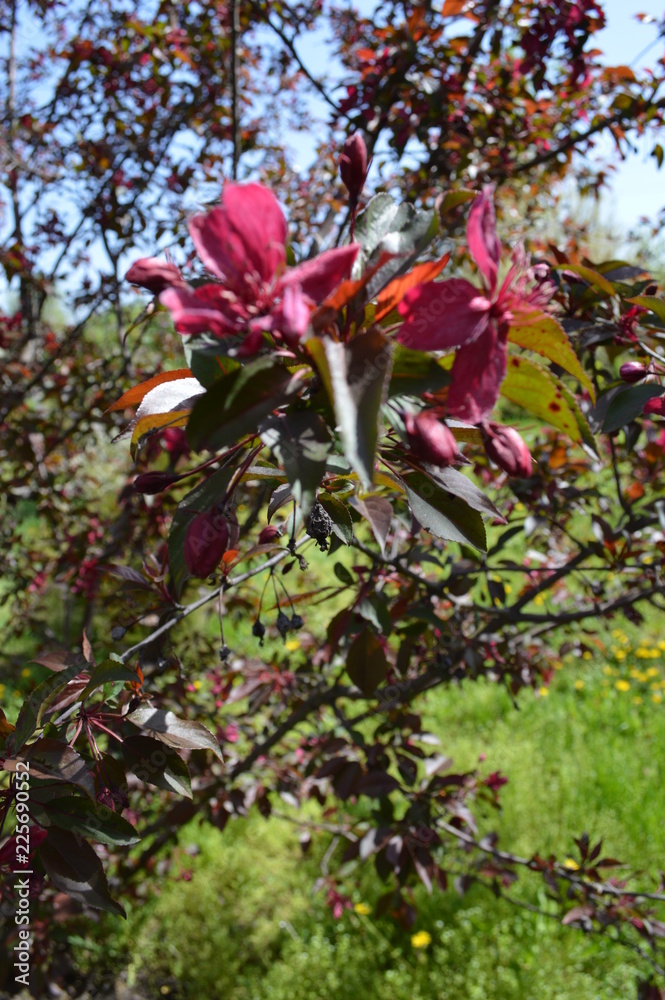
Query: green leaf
[201, 498]
[342, 574]
[652, 303]
[387, 228]
[460, 486]
[628, 403]
[74, 868]
[542, 333]
[108, 672]
[356, 377]
[175, 732]
[416, 372]
[534, 388]
[339, 515]
[207, 367]
[154, 762]
[301, 442]
[378, 512]
[442, 515]
[595, 279]
[366, 662]
[33, 710]
[375, 222]
[87, 819]
[236, 404]
[453, 199]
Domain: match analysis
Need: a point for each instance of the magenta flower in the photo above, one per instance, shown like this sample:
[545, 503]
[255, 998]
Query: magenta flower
[440, 315]
[243, 243]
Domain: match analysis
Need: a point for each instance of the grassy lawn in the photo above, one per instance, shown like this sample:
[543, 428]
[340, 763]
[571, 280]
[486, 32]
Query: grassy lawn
[238, 916]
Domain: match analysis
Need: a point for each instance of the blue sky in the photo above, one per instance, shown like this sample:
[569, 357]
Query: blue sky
[638, 187]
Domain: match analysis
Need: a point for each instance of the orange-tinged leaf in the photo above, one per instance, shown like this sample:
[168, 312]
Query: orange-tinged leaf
[230, 556]
[453, 8]
[543, 334]
[135, 395]
[393, 293]
[533, 387]
[156, 421]
[5, 727]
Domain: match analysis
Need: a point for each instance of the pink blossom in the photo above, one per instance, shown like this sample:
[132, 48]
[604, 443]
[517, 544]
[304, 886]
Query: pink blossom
[440, 315]
[243, 243]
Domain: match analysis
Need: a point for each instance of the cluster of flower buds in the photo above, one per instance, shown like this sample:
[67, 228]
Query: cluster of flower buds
[431, 440]
[505, 448]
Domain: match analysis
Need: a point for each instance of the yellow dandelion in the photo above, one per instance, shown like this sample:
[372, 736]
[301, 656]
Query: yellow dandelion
[620, 654]
[653, 672]
[579, 685]
[197, 685]
[557, 664]
[421, 940]
[26, 672]
[363, 909]
[587, 655]
[292, 645]
[571, 865]
[657, 697]
[642, 653]
[543, 692]
[637, 700]
[539, 599]
[622, 685]
[616, 633]
[519, 506]
[654, 653]
[661, 644]
[508, 589]
[608, 671]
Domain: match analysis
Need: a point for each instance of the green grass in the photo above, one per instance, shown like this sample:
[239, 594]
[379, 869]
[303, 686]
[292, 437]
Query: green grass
[247, 925]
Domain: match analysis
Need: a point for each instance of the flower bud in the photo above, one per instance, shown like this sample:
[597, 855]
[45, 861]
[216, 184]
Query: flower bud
[505, 448]
[655, 407]
[431, 440]
[269, 534]
[154, 482]
[206, 541]
[155, 275]
[633, 371]
[353, 166]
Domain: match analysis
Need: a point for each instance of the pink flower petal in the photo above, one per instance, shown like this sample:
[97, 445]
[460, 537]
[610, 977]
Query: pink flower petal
[439, 315]
[477, 374]
[481, 236]
[243, 240]
[202, 310]
[319, 277]
[292, 318]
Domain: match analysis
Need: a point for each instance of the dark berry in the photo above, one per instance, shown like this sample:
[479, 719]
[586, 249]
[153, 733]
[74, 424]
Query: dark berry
[224, 653]
[283, 624]
[296, 622]
[259, 630]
